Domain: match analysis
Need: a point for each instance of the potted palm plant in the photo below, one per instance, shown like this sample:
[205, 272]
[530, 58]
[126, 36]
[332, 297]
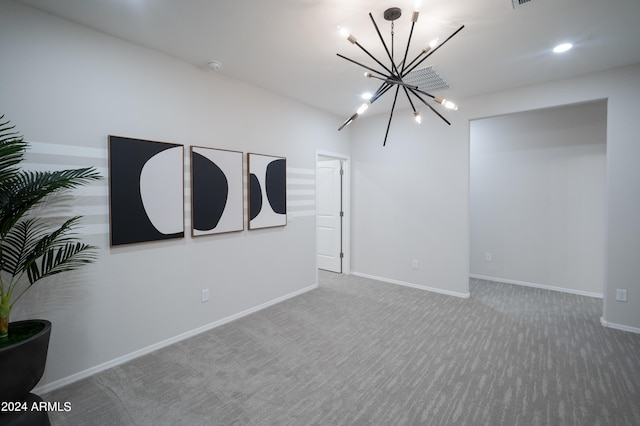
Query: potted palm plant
[31, 249]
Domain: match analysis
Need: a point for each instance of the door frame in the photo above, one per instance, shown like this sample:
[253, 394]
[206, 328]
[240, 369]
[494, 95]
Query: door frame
[346, 207]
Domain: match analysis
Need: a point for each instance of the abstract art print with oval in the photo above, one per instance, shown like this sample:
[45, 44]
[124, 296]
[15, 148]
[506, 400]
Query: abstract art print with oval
[146, 195]
[267, 191]
[216, 191]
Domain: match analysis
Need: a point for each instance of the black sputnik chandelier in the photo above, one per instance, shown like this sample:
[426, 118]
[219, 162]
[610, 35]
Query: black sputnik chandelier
[393, 75]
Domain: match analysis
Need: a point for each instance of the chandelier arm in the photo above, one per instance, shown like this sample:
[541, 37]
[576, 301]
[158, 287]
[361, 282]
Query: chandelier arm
[433, 51]
[430, 107]
[422, 52]
[424, 93]
[391, 115]
[373, 57]
[401, 83]
[362, 65]
[382, 92]
[406, 92]
[406, 52]
[348, 121]
[393, 65]
[393, 81]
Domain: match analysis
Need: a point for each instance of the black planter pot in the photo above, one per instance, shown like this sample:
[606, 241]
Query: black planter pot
[21, 368]
[22, 364]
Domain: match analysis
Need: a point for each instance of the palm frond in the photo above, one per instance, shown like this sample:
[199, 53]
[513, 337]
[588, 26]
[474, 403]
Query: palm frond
[12, 149]
[27, 245]
[25, 190]
[30, 248]
[68, 257]
[56, 238]
[19, 244]
[57, 252]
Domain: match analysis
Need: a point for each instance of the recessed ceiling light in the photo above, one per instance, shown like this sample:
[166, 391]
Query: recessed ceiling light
[562, 47]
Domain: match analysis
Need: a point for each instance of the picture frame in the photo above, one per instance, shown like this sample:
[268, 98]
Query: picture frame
[146, 190]
[216, 191]
[267, 187]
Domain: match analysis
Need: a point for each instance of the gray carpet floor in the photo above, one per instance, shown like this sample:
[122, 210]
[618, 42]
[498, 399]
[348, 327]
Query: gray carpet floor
[359, 352]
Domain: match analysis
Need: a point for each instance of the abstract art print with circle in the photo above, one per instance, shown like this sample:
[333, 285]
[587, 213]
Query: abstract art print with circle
[146, 195]
[267, 191]
[216, 191]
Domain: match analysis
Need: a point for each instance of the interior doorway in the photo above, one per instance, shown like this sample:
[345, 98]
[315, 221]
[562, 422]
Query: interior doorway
[537, 199]
[332, 201]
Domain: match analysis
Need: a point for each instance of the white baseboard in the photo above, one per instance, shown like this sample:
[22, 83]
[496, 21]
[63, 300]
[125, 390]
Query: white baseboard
[619, 326]
[534, 285]
[144, 351]
[418, 286]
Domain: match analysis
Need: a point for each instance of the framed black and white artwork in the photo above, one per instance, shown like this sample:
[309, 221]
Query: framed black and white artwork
[267, 182]
[146, 195]
[216, 191]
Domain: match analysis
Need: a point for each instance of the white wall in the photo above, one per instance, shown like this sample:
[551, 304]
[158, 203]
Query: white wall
[410, 201]
[621, 88]
[66, 88]
[537, 197]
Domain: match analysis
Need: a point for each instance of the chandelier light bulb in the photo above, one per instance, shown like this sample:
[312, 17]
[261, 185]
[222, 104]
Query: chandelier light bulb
[414, 16]
[450, 105]
[363, 108]
[561, 48]
[417, 117]
[368, 74]
[446, 103]
[433, 43]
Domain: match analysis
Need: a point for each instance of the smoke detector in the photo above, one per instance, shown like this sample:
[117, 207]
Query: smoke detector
[214, 65]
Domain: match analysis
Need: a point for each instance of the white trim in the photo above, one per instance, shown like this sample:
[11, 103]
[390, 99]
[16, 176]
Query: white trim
[534, 285]
[619, 326]
[418, 286]
[144, 351]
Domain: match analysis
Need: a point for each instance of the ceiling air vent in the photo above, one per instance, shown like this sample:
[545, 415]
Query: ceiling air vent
[518, 3]
[427, 80]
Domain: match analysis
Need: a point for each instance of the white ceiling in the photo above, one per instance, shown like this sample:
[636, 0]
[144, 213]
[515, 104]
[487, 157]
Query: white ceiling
[290, 46]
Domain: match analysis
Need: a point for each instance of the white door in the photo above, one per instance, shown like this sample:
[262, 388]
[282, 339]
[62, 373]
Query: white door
[328, 214]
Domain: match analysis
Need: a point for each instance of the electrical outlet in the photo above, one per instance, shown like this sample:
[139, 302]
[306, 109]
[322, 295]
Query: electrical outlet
[621, 295]
[414, 264]
[205, 295]
[488, 257]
